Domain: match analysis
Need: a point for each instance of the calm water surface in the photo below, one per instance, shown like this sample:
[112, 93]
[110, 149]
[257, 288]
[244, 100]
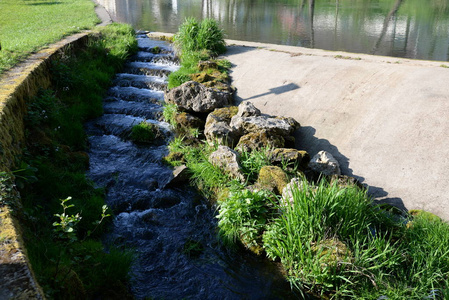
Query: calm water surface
[402, 28]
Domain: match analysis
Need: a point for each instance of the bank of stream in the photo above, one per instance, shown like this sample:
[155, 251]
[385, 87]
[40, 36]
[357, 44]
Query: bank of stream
[172, 230]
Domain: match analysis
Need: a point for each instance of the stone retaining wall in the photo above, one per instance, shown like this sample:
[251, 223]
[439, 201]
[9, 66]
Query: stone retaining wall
[17, 86]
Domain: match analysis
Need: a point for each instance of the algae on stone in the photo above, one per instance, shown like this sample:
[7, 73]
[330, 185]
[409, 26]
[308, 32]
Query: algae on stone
[272, 178]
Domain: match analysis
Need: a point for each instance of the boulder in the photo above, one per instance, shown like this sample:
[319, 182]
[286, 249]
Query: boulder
[221, 133]
[324, 162]
[290, 158]
[272, 178]
[217, 127]
[247, 109]
[295, 185]
[180, 174]
[295, 124]
[228, 160]
[272, 126]
[195, 97]
[223, 114]
[186, 121]
[346, 181]
[203, 65]
[203, 77]
[259, 140]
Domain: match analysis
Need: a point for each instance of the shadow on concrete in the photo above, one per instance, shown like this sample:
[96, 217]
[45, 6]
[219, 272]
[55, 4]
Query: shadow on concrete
[277, 90]
[234, 49]
[305, 139]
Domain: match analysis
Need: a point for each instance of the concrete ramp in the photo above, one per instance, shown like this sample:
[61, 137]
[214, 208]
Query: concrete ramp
[386, 120]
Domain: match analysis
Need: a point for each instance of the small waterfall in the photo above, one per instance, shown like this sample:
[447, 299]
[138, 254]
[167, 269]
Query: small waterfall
[161, 223]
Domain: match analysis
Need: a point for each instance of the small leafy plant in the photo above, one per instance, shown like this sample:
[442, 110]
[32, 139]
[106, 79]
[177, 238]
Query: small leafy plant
[65, 227]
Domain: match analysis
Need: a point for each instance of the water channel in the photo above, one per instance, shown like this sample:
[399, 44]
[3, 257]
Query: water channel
[171, 230]
[401, 28]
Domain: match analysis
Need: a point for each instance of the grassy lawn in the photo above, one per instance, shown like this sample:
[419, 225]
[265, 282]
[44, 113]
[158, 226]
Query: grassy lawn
[27, 26]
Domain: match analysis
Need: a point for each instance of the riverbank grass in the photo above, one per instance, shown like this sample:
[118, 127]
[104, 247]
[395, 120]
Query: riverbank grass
[27, 26]
[64, 215]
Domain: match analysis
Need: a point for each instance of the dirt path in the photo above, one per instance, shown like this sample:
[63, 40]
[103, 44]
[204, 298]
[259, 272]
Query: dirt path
[386, 120]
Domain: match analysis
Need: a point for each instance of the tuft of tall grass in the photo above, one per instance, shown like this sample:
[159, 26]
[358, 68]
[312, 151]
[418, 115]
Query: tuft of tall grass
[196, 41]
[199, 36]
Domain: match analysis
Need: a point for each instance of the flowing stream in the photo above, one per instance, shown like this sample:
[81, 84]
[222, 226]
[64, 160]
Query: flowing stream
[161, 223]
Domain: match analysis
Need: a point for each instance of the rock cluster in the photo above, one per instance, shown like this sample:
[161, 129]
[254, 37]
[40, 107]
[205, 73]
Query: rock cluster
[243, 128]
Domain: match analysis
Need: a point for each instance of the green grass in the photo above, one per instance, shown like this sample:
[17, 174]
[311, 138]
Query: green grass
[144, 132]
[54, 167]
[196, 41]
[27, 26]
[332, 241]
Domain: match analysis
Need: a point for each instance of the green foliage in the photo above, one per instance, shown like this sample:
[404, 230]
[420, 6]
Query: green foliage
[144, 132]
[211, 37]
[196, 36]
[66, 225]
[253, 161]
[189, 62]
[243, 216]
[196, 41]
[208, 178]
[224, 63]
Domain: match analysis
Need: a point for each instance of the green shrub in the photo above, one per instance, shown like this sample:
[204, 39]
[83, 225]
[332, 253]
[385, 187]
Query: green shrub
[196, 36]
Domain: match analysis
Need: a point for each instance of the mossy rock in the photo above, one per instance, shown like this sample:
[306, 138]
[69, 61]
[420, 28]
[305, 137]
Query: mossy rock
[259, 140]
[223, 114]
[332, 253]
[292, 122]
[344, 181]
[424, 215]
[272, 178]
[291, 158]
[218, 85]
[207, 64]
[202, 77]
[175, 158]
[187, 121]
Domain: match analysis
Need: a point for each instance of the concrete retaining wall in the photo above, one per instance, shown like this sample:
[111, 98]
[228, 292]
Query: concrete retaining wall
[17, 86]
